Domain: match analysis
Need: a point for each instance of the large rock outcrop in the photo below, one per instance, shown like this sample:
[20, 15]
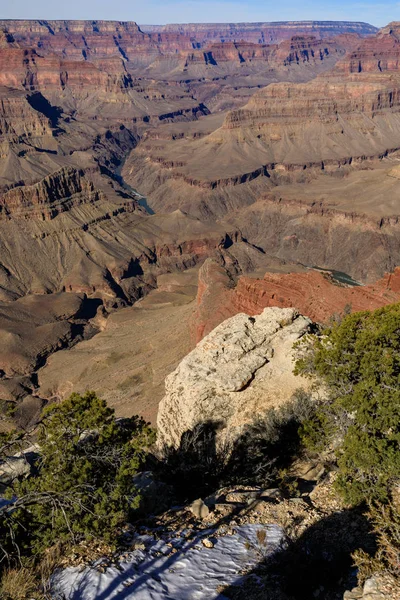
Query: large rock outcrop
[242, 368]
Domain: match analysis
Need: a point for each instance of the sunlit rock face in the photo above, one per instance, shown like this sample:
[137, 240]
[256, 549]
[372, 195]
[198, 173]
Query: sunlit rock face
[240, 369]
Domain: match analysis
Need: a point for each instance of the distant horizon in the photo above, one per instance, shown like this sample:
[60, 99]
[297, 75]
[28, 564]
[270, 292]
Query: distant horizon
[230, 22]
[176, 12]
[159, 24]
[156, 24]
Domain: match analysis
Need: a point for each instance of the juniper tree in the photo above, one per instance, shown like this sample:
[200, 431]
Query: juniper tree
[358, 361]
[83, 486]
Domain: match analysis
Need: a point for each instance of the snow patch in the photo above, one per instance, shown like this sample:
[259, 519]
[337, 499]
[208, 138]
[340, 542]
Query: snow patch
[179, 568]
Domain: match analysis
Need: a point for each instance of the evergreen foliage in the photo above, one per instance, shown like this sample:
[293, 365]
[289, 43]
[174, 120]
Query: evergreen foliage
[83, 487]
[358, 361]
[385, 520]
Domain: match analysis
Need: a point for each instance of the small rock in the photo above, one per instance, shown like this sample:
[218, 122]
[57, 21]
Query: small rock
[207, 543]
[13, 468]
[355, 594]
[273, 493]
[371, 591]
[139, 546]
[199, 509]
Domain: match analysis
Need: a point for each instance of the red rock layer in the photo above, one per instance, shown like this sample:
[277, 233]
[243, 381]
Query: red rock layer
[97, 41]
[299, 49]
[42, 59]
[303, 48]
[315, 294]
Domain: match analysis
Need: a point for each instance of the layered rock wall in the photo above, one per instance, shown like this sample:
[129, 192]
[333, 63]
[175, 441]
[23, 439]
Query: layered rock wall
[261, 32]
[315, 294]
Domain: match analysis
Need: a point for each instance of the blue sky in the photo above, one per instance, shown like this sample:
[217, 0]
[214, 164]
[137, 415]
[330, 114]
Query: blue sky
[183, 11]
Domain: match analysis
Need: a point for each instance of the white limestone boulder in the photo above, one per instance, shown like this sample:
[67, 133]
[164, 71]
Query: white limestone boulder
[240, 369]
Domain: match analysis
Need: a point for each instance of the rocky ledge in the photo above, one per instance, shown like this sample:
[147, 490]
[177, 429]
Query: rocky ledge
[242, 368]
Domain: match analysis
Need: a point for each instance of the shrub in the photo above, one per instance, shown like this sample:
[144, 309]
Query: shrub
[19, 584]
[269, 445]
[385, 520]
[83, 488]
[358, 361]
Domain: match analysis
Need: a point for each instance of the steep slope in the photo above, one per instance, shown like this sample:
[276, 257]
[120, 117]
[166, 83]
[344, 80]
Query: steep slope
[77, 97]
[301, 155]
[335, 118]
[70, 111]
[92, 66]
[62, 138]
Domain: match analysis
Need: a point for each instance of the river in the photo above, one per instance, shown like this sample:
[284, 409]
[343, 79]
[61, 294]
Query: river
[141, 200]
[339, 276]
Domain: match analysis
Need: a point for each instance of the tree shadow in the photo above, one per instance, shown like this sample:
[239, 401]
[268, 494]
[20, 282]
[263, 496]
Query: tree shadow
[129, 582]
[318, 564]
[206, 461]
[198, 465]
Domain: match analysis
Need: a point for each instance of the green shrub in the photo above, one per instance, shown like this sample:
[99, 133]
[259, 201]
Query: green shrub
[358, 361]
[270, 444]
[83, 487]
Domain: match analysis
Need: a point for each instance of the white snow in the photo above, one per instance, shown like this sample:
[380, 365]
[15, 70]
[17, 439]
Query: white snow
[193, 572]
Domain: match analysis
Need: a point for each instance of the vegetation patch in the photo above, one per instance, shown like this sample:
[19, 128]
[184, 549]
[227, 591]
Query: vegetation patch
[82, 486]
[358, 362]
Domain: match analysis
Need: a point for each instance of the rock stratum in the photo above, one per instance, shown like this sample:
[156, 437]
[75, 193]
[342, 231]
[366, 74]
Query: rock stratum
[314, 293]
[264, 33]
[298, 160]
[343, 115]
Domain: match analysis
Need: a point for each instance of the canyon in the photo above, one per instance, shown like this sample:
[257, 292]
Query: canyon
[155, 181]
